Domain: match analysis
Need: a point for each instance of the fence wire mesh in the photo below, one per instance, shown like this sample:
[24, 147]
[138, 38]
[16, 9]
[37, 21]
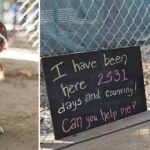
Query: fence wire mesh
[30, 19]
[86, 25]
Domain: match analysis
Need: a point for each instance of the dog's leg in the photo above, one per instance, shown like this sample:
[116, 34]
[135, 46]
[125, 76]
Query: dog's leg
[1, 72]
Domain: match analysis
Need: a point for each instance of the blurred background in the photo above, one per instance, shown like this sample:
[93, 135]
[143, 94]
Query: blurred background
[19, 89]
[21, 20]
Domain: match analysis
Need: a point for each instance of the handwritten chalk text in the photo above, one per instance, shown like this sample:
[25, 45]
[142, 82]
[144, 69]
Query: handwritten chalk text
[92, 96]
[59, 75]
[128, 91]
[69, 105]
[108, 115]
[115, 60]
[68, 125]
[72, 88]
[110, 76]
[83, 65]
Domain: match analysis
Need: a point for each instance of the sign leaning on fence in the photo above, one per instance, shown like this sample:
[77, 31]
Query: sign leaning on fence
[86, 90]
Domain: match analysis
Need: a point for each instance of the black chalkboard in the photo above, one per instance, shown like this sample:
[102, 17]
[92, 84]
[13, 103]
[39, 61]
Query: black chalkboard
[86, 90]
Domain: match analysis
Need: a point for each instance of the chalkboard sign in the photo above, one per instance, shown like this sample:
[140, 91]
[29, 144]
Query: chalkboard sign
[86, 90]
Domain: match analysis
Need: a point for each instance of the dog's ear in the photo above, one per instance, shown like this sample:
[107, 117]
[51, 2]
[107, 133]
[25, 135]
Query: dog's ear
[3, 30]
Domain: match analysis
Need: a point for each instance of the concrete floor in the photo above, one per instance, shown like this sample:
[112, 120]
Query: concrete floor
[131, 133]
[135, 138]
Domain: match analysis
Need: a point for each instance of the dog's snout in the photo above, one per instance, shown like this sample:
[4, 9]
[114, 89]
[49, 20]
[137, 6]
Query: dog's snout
[2, 40]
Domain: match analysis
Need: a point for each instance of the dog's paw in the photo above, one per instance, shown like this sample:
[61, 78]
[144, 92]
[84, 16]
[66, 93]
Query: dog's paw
[2, 76]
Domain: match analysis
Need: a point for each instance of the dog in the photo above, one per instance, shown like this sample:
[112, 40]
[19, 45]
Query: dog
[3, 45]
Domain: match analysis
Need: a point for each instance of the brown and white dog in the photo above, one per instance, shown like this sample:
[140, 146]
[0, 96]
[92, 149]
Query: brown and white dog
[3, 46]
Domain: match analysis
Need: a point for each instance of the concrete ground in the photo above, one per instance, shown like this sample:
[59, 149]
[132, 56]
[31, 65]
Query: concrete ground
[135, 138]
[132, 133]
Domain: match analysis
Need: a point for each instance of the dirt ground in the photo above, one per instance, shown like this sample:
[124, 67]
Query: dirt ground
[19, 113]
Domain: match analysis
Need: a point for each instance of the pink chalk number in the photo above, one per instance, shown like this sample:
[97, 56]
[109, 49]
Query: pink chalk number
[111, 76]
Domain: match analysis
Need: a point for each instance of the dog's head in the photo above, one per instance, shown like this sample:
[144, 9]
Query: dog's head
[3, 37]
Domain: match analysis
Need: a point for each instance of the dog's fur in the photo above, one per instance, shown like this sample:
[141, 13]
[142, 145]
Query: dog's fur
[3, 46]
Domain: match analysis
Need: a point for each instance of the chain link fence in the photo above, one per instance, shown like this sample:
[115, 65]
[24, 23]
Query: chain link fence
[30, 21]
[85, 25]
